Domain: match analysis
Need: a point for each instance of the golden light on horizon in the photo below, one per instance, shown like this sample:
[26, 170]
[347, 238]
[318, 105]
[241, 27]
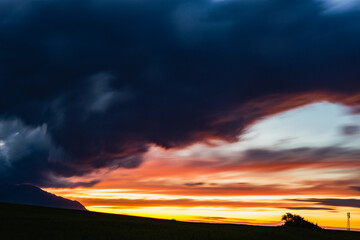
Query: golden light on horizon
[268, 211]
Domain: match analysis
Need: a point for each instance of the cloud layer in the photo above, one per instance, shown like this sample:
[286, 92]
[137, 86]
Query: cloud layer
[93, 83]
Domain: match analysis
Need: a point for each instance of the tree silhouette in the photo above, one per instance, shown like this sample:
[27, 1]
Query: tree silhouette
[293, 220]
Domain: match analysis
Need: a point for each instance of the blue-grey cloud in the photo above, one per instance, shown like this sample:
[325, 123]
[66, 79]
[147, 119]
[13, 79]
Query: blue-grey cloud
[335, 202]
[310, 208]
[350, 130]
[28, 155]
[356, 188]
[304, 154]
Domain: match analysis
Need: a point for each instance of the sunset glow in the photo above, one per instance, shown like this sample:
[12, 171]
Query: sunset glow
[237, 182]
[215, 111]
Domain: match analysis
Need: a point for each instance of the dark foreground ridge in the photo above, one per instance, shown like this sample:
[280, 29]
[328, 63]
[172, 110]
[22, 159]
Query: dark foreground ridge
[31, 195]
[29, 222]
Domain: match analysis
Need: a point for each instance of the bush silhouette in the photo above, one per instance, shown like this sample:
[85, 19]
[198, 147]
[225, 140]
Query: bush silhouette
[293, 220]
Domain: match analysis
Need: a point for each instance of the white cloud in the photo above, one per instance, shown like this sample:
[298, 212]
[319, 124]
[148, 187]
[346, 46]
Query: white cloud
[340, 5]
[19, 140]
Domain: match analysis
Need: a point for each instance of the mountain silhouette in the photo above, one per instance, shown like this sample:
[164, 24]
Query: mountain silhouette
[31, 195]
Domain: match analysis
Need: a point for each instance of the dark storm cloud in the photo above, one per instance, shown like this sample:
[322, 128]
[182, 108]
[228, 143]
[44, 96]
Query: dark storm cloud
[350, 130]
[334, 202]
[328, 154]
[356, 188]
[107, 78]
[310, 208]
[28, 155]
[195, 184]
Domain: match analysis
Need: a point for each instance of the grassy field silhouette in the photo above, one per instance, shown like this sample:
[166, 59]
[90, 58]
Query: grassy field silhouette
[30, 222]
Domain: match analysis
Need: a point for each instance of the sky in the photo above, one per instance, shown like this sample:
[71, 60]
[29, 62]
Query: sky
[291, 162]
[202, 110]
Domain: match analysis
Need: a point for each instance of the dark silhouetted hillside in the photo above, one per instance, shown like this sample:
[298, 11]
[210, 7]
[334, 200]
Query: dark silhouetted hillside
[31, 195]
[30, 222]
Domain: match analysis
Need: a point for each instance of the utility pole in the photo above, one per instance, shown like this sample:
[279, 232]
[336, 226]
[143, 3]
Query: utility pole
[348, 221]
